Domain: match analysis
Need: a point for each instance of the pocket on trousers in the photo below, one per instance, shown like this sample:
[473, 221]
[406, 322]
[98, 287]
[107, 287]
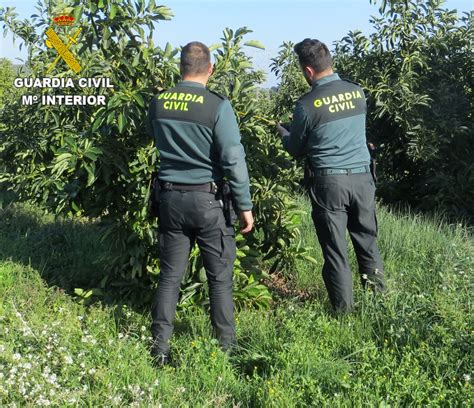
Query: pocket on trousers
[163, 208]
[326, 197]
[376, 223]
[228, 247]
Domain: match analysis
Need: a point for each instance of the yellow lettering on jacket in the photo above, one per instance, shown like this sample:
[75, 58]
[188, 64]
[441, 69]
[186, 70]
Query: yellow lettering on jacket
[339, 102]
[181, 96]
[174, 105]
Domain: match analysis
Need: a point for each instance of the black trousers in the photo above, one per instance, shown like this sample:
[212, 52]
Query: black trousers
[340, 203]
[187, 217]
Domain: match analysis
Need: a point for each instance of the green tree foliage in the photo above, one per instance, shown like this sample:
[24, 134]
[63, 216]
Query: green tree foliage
[93, 160]
[7, 75]
[291, 81]
[416, 69]
[97, 161]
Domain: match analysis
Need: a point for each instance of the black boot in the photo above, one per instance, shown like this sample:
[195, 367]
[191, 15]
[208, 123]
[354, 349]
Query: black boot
[160, 359]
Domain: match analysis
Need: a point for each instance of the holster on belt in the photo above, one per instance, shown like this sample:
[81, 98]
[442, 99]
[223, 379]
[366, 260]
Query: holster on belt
[373, 160]
[308, 175]
[154, 200]
[224, 193]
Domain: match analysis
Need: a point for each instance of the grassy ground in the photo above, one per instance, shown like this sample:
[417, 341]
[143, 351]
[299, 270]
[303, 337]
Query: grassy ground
[411, 348]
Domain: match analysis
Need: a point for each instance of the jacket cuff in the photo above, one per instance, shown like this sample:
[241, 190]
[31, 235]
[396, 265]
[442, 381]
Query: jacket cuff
[244, 208]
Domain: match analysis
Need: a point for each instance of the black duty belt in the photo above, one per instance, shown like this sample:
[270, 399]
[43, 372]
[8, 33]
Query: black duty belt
[330, 172]
[206, 187]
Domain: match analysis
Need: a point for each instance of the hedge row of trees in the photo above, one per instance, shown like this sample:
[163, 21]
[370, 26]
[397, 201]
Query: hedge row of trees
[417, 71]
[97, 161]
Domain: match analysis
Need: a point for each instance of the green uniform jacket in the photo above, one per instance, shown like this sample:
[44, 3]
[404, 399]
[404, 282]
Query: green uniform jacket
[198, 139]
[328, 125]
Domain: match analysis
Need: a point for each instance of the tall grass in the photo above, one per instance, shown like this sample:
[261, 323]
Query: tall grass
[412, 347]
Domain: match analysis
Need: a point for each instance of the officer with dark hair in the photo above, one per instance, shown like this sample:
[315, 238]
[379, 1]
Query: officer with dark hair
[198, 140]
[328, 128]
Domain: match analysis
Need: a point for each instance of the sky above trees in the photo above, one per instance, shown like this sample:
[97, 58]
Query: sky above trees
[273, 21]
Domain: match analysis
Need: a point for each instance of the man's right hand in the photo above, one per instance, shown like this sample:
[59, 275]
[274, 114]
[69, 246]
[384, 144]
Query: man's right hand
[281, 130]
[246, 221]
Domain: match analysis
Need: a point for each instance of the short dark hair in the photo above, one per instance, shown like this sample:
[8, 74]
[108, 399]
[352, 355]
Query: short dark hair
[313, 53]
[195, 59]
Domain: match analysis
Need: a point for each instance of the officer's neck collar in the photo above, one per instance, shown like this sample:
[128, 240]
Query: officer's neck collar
[325, 79]
[187, 82]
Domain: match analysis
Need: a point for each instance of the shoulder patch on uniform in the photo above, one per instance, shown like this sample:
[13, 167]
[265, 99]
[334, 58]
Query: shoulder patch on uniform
[217, 94]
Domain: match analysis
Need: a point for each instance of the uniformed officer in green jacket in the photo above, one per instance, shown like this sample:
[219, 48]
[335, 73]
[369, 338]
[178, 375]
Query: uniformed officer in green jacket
[328, 128]
[198, 140]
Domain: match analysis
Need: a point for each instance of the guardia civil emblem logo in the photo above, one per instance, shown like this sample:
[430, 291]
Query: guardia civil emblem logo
[63, 22]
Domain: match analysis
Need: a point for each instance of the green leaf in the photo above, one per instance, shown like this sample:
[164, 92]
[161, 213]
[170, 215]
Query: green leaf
[214, 47]
[242, 31]
[310, 259]
[63, 156]
[121, 122]
[76, 208]
[77, 14]
[255, 44]
[151, 6]
[97, 123]
[113, 11]
[162, 13]
[110, 117]
[168, 50]
[139, 99]
[90, 169]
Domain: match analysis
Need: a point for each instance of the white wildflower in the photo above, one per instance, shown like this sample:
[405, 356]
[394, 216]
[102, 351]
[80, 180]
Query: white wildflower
[43, 401]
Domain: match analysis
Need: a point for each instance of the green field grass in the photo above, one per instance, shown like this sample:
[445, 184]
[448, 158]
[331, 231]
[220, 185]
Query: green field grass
[411, 348]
